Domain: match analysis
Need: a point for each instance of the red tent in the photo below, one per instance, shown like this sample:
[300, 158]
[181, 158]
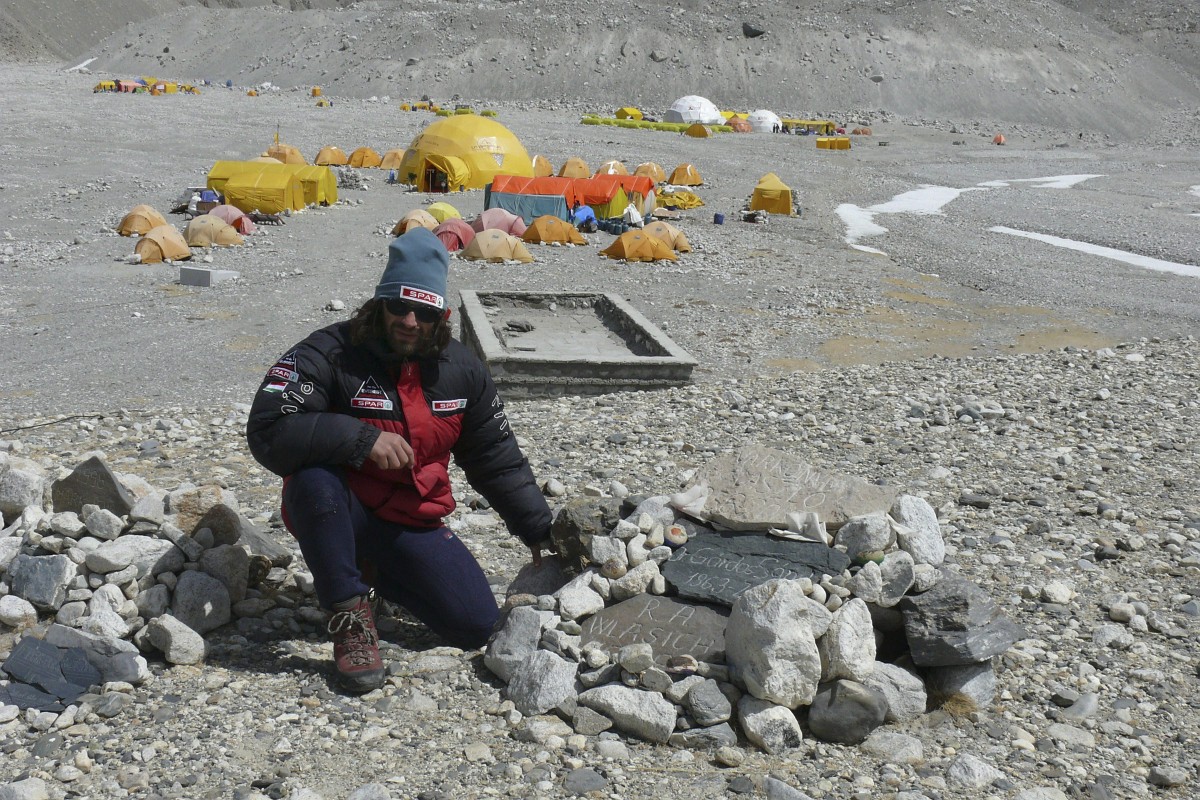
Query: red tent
[499, 219]
[235, 217]
[454, 233]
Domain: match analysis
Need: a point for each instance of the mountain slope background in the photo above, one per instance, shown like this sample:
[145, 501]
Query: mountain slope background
[1124, 70]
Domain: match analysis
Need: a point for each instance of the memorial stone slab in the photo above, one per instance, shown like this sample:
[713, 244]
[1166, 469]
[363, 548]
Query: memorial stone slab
[670, 627]
[717, 566]
[38, 663]
[92, 482]
[757, 487]
[77, 669]
[23, 695]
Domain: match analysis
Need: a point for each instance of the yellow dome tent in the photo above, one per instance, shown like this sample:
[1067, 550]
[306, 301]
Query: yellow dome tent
[549, 229]
[209, 231]
[651, 170]
[639, 246]
[139, 220]
[285, 153]
[392, 159]
[771, 195]
[463, 151]
[417, 218]
[160, 244]
[685, 175]
[366, 158]
[542, 168]
[331, 154]
[629, 112]
[496, 246]
[574, 167]
[697, 131]
[670, 235]
[613, 167]
[443, 211]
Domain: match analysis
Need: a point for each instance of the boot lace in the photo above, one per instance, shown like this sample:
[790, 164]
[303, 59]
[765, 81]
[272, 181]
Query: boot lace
[354, 630]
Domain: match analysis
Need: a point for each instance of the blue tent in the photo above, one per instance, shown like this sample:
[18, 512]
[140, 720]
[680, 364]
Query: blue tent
[527, 206]
[582, 214]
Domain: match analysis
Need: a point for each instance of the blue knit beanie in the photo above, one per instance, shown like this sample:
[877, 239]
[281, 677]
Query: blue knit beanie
[416, 269]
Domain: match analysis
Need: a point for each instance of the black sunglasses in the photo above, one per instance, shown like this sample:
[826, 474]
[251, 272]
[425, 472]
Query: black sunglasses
[400, 308]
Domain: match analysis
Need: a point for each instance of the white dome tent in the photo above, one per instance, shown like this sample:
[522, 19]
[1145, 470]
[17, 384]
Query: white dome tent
[694, 108]
[763, 121]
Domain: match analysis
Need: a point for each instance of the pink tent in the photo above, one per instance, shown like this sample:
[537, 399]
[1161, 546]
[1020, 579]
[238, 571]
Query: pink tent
[454, 233]
[235, 217]
[500, 220]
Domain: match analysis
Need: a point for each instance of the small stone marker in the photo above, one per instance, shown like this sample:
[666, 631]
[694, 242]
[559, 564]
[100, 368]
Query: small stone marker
[669, 626]
[755, 487]
[92, 482]
[203, 276]
[717, 567]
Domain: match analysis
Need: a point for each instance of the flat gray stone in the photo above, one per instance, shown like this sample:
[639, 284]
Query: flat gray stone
[757, 487]
[670, 627]
[716, 567]
[956, 623]
[92, 482]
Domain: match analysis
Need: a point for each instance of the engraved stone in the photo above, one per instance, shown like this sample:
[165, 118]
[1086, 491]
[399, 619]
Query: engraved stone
[92, 482]
[717, 567]
[756, 487]
[670, 627]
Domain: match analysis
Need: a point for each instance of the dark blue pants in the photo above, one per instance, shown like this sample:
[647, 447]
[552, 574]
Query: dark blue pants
[428, 571]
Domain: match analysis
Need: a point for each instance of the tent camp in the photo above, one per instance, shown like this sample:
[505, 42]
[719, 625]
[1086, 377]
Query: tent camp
[139, 220]
[771, 195]
[331, 155]
[454, 233]
[548, 229]
[500, 220]
[639, 246]
[162, 243]
[613, 167]
[697, 131]
[629, 112]
[392, 159]
[269, 191]
[443, 211]
[463, 151]
[652, 171]
[685, 175]
[365, 158]
[693, 108]
[496, 246]
[417, 218]
[764, 121]
[542, 168]
[208, 230]
[285, 153]
[669, 234]
[574, 167]
[235, 217]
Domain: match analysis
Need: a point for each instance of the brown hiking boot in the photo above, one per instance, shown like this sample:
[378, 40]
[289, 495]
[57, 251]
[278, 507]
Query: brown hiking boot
[356, 645]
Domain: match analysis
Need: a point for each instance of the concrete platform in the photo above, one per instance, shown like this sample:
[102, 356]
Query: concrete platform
[539, 343]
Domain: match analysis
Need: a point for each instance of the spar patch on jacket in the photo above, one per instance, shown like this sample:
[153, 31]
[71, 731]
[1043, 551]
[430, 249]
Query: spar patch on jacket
[371, 396]
[285, 368]
[446, 406]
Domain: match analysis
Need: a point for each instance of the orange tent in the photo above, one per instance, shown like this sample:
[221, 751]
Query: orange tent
[331, 155]
[639, 246]
[549, 229]
[685, 175]
[392, 159]
[542, 168]
[574, 167]
[139, 220]
[365, 157]
[739, 125]
[669, 234]
[861, 132]
[160, 244]
[285, 153]
[417, 218]
[999, 139]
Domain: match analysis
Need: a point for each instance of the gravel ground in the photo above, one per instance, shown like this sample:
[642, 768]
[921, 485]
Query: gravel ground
[856, 361]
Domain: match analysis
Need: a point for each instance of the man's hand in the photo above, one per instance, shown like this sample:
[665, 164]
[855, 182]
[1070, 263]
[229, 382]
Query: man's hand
[536, 550]
[391, 451]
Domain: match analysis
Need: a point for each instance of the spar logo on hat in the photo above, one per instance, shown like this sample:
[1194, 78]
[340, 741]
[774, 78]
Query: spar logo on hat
[422, 296]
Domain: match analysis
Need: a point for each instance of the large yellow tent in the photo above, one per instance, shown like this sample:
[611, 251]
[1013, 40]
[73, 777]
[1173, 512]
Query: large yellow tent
[318, 183]
[161, 243]
[771, 195]
[139, 220]
[463, 151]
[207, 230]
[267, 191]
